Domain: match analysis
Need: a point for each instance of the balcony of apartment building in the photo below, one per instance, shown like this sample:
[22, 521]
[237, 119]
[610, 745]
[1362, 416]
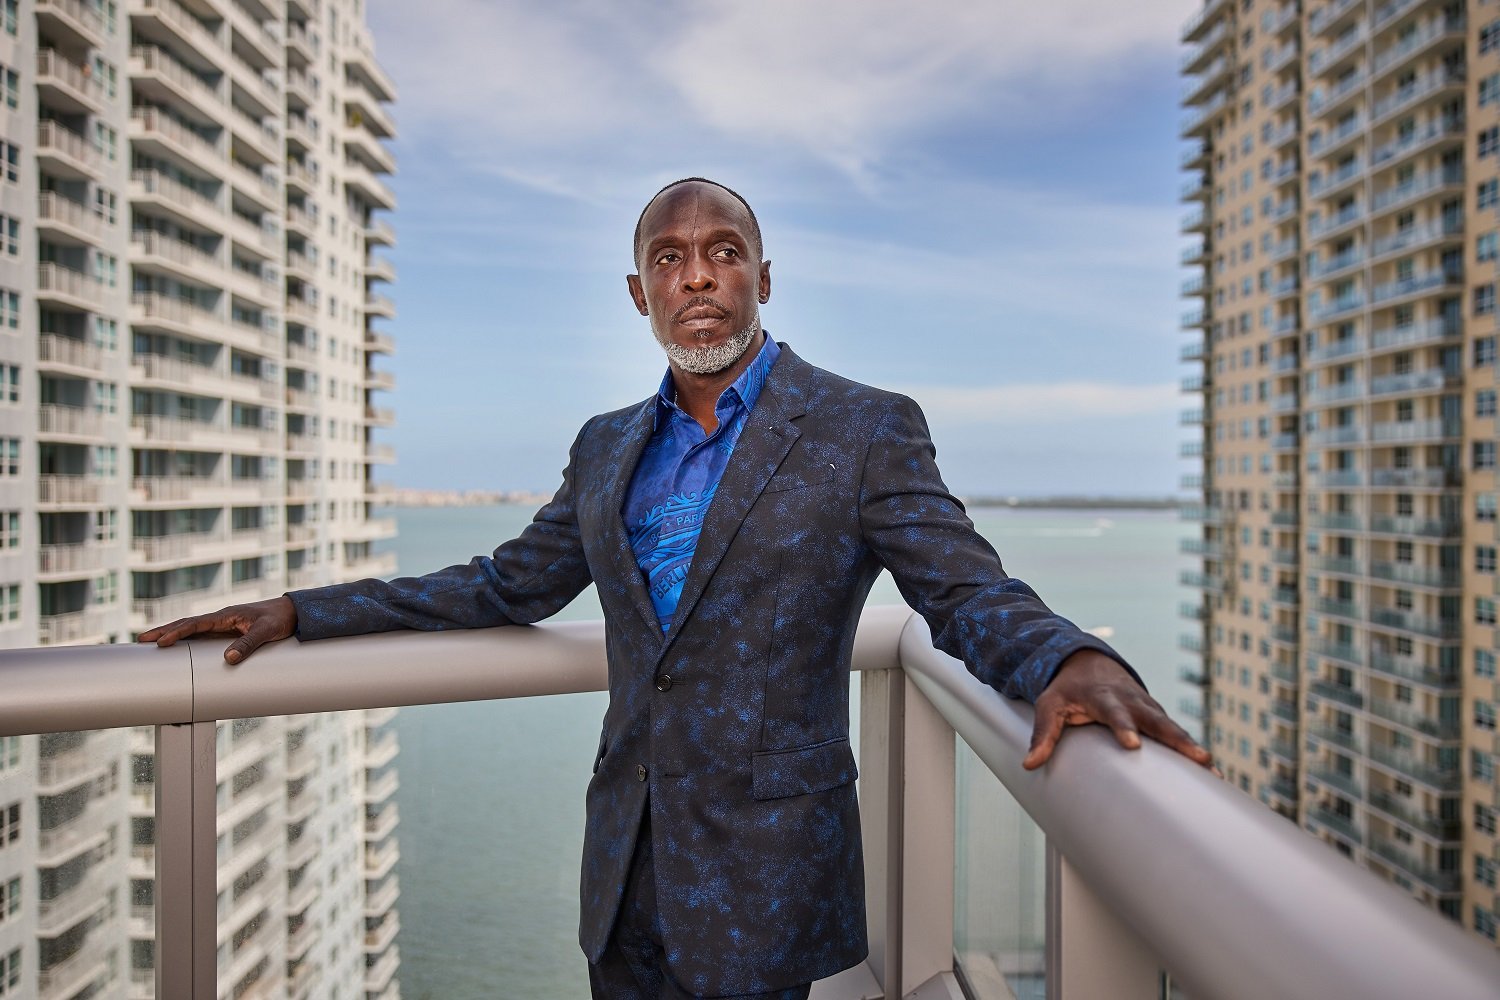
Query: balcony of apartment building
[65, 282]
[188, 311]
[161, 77]
[379, 233]
[1335, 98]
[1414, 91]
[1405, 189]
[169, 22]
[63, 221]
[198, 148]
[69, 478]
[63, 152]
[66, 83]
[1409, 237]
[365, 125]
[1437, 132]
[254, 183]
[73, 964]
[68, 549]
[916, 850]
[1414, 32]
[255, 230]
[255, 149]
[1338, 179]
[370, 189]
[198, 207]
[75, 892]
[1215, 76]
[176, 256]
[75, 22]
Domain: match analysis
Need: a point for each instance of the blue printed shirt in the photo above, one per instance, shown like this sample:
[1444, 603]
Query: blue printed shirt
[675, 480]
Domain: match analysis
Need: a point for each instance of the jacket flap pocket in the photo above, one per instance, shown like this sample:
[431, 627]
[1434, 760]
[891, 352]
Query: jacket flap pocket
[800, 478]
[779, 773]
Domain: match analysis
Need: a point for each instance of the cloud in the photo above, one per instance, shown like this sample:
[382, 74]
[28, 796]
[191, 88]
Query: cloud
[1044, 402]
[839, 81]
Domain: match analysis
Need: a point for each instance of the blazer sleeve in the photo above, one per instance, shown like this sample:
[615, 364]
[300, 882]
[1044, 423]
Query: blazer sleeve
[949, 574]
[525, 580]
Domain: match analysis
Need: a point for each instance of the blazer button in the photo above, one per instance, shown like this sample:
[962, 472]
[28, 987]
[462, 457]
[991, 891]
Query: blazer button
[664, 682]
[640, 772]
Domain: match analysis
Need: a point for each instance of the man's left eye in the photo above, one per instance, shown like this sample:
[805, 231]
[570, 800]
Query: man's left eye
[727, 252]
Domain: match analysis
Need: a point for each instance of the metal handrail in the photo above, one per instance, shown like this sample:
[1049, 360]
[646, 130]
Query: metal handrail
[1237, 902]
[1161, 843]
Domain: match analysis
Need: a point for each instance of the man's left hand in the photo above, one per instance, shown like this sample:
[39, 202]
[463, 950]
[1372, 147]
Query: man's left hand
[1092, 687]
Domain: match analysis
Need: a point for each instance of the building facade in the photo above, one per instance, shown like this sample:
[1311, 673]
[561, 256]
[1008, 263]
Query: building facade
[191, 209]
[1344, 183]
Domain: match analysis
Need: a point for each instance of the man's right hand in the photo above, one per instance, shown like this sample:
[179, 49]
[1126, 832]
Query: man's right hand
[255, 624]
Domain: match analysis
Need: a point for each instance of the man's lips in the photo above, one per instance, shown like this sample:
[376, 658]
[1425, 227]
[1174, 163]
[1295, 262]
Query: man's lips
[700, 312]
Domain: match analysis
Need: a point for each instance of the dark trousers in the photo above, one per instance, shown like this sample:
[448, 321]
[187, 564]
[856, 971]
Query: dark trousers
[633, 965]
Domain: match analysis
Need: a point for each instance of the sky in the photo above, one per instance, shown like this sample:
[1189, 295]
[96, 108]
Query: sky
[971, 202]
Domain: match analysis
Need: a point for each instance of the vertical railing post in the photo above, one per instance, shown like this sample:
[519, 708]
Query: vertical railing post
[881, 770]
[927, 847]
[186, 863]
[1090, 952]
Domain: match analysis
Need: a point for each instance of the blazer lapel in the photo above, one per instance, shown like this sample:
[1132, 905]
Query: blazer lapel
[764, 442]
[617, 539]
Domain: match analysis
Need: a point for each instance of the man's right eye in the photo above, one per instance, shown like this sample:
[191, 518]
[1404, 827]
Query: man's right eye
[667, 258]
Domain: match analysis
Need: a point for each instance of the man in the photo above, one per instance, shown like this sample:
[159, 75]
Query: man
[733, 524]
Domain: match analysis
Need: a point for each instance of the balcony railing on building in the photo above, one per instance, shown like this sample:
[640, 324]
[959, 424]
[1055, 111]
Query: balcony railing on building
[1131, 836]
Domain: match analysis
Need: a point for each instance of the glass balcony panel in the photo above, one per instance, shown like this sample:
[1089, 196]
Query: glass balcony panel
[999, 888]
[77, 856]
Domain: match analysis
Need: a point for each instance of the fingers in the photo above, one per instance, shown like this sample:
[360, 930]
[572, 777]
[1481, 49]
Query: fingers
[166, 635]
[1160, 727]
[1129, 714]
[1045, 732]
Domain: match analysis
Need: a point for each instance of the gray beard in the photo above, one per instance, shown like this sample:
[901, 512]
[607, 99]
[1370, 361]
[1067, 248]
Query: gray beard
[710, 360]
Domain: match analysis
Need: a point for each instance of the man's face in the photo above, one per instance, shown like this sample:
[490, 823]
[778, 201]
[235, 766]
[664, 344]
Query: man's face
[700, 283]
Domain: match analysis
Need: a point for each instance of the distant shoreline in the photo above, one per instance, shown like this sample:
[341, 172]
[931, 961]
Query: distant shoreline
[493, 498]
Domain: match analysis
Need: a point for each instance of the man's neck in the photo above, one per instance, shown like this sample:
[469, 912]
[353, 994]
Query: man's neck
[698, 395]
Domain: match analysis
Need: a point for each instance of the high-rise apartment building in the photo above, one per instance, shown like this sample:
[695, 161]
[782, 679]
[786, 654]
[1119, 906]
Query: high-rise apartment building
[1345, 183]
[190, 205]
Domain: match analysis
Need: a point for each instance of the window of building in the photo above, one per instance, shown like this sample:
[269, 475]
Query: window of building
[1484, 922]
[1484, 714]
[1485, 247]
[1484, 455]
[1484, 351]
[1489, 89]
[1484, 507]
[1484, 299]
[1489, 36]
[10, 457]
[1484, 663]
[10, 309]
[1488, 193]
[1481, 765]
[1484, 403]
[1484, 558]
[10, 824]
[10, 973]
[1489, 141]
[1485, 818]
[10, 898]
[10, 602]
[12, 21]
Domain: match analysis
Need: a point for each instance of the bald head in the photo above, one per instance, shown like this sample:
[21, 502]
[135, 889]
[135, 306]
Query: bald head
[687, 183]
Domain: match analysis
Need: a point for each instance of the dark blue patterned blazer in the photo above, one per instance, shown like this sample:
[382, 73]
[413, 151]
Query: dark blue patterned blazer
[734, 725]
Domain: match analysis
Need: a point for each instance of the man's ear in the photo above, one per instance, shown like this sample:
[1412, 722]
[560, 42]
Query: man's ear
[638, 294]
[765, 281]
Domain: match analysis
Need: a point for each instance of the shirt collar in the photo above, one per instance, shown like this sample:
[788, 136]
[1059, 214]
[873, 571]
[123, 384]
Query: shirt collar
[744, 390]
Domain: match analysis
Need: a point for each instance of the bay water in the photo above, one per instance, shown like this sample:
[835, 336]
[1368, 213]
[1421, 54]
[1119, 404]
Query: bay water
[491, 793]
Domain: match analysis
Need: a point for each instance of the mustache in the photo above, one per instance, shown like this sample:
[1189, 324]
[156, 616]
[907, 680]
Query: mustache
[698, 302]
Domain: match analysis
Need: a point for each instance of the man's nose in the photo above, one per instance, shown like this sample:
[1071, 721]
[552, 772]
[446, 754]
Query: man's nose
[697, 277]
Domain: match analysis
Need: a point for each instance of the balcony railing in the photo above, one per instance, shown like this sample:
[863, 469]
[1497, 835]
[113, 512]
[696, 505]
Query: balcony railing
[1120, 826]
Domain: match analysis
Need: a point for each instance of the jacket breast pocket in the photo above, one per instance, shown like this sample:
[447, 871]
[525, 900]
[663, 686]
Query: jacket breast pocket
[777, 774]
